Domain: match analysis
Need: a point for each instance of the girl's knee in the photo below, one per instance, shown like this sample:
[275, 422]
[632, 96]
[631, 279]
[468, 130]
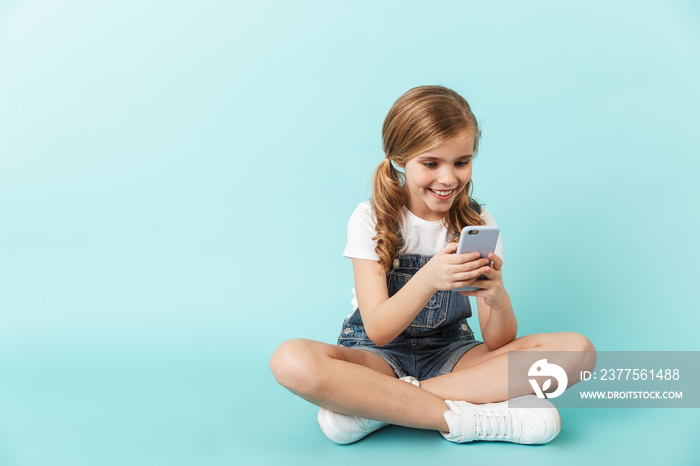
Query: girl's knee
[294, 364]
[583, 351]
[588, 352]
[287, 359]
[578, 342]
[575, 351]
[561, 341]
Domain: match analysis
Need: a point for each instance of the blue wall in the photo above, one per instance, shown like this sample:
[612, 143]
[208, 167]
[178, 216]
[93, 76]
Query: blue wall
[176, 177]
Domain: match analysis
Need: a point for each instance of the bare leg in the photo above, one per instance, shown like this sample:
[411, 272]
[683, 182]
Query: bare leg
[356, 382]
[481, 376]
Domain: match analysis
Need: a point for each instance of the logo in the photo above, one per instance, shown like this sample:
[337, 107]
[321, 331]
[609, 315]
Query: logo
[541, 369]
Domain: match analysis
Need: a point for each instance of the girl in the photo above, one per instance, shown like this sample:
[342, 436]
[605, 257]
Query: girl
[408, 324]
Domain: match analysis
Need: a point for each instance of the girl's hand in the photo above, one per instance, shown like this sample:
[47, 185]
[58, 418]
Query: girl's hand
[447, 271]
[493, 291]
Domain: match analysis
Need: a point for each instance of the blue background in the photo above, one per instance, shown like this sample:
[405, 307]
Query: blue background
[176, 179]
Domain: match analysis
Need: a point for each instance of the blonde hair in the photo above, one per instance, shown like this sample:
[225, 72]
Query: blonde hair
[420, 120]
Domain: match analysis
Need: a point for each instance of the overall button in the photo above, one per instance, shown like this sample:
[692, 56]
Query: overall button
[347, 331]
[396, 263]
[465, 327]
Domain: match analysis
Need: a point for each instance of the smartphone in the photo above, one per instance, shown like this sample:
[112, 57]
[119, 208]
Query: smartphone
[481, 239]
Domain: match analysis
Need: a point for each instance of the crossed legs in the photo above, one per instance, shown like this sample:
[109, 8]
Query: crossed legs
[360, 383]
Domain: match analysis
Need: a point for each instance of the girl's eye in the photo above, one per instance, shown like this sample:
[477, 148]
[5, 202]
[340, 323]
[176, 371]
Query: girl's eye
[430, 164]
[462, 164]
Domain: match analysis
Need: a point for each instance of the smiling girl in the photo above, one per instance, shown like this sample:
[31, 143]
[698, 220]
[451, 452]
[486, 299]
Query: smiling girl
[407, 354]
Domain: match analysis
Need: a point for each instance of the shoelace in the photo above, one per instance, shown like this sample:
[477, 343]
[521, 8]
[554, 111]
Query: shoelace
[493, 425]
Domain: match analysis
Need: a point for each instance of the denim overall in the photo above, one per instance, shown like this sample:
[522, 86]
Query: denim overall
[436, 339]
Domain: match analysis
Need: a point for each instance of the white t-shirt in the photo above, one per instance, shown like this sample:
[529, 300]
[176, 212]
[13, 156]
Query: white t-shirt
[419, 236]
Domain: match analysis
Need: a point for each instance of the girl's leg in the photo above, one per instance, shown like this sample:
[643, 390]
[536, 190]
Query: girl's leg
[481, 375]
[355, 382]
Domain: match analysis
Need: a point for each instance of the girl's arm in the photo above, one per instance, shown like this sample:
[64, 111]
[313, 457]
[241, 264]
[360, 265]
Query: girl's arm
[496, 318]
[385, 318]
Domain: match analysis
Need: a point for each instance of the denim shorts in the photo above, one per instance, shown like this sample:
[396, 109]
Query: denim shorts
[420, 357]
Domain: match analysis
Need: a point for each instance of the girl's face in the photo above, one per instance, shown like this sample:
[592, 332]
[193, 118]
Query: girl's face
[434, 178]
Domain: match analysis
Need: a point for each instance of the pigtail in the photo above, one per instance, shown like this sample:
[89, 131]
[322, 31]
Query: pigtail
[388, 196]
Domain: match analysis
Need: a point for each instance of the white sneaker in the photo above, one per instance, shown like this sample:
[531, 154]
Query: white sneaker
[525, 419]
[345, 429]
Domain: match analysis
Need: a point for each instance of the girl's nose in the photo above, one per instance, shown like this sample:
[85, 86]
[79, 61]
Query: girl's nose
[446, 176]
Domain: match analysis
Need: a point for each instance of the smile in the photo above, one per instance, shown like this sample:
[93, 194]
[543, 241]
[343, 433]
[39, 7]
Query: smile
[442, 195]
